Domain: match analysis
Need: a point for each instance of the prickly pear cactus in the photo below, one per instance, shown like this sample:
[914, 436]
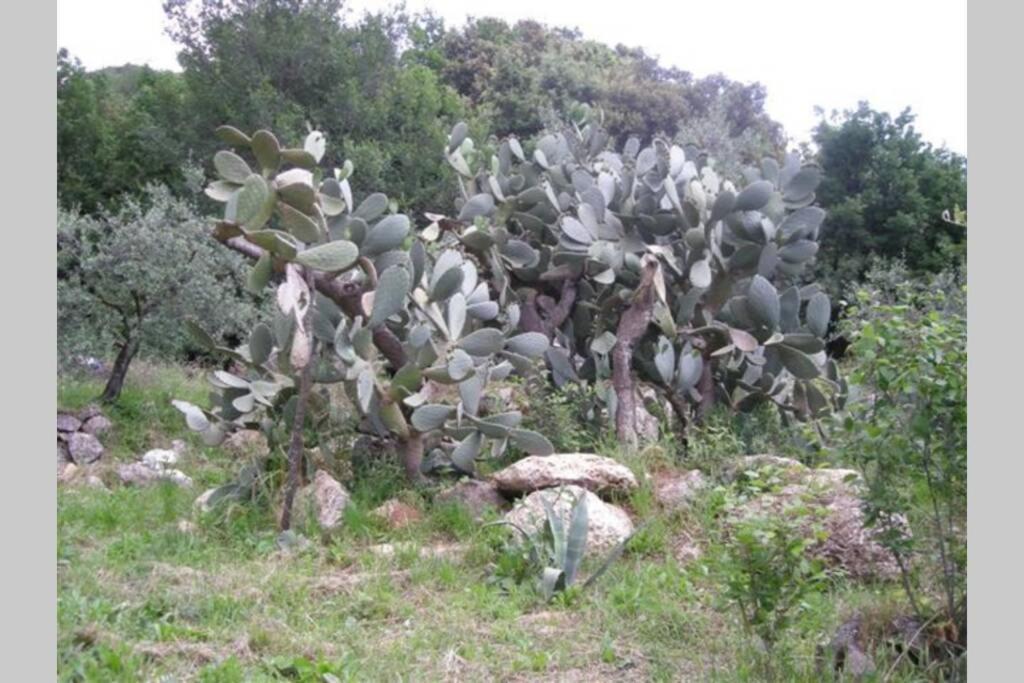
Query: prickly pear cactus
[647, 260]
[364, 302]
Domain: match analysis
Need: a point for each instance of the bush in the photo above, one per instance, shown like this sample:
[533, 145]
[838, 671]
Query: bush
[906, 431]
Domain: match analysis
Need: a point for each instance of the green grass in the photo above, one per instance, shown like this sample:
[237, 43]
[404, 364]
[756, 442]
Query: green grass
[140, 599]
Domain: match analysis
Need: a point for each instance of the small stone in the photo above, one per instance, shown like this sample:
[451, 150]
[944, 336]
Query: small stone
[67, 473]
[158, 458]
[676, 491]
[89, 412]
[84, 448]
[246, 443]
[397, 514]
[97, 425]
[186, 527]
[477, 496]
[140, 474]
[68, 423]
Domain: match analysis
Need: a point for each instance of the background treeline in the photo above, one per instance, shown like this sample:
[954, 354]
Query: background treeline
[386, 88]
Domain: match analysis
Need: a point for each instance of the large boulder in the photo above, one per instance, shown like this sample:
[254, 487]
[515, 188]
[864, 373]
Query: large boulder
[593, 472]
[607, 524]
[477, 496]
[84, 448]
[835, 496]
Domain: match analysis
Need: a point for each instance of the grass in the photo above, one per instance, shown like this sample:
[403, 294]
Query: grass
[141, 599]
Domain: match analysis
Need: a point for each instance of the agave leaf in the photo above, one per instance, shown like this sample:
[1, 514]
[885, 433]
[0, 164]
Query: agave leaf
[576, 543]
[553, 579]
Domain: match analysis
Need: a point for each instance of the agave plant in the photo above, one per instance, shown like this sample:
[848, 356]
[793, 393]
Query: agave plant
[558, 550]
[645, 264]
[362, 302]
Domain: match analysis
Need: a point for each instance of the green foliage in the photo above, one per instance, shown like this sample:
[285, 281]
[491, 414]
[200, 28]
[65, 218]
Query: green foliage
[768, 575]
[524, 76]
[135, 273]
[886, 191]
[906, 431]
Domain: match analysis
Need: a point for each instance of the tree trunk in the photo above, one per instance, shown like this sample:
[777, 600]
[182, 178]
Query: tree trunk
[412, 457]
[296, 446]
[632, 325]
[120, 370]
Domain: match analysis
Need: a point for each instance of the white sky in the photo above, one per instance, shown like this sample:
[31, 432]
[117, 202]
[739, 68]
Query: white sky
[893, 53]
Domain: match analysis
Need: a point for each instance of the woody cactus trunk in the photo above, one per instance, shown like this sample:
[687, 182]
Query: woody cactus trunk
[361, 302]
[643, 265]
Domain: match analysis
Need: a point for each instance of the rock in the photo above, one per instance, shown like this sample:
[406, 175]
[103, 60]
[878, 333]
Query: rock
[435, 551]
[63, 456]
[675, 491]
[685, 549]
[246, 443]
[325, 498]
[846, 652]
[202, 503]
[607, 524]
[475, 495]
[849, 545]
[97, 425]
[140, 474]
[94, 482]
[158, 458]
[593, 472]
[186, 527]
[397, 514]
[68, 423]
[89, 412]
[67, 473]
[178, 446]
[84, 448]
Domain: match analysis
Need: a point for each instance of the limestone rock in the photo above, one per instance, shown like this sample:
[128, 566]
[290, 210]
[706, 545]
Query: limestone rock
[608, 525]
[593, 472]
[141, 474]
[84, 448]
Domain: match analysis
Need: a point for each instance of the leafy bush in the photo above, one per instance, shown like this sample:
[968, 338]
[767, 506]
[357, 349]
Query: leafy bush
[906, 431]
[768, 574]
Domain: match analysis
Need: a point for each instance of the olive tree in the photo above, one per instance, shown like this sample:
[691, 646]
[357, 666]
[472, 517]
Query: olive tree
[128, 277]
